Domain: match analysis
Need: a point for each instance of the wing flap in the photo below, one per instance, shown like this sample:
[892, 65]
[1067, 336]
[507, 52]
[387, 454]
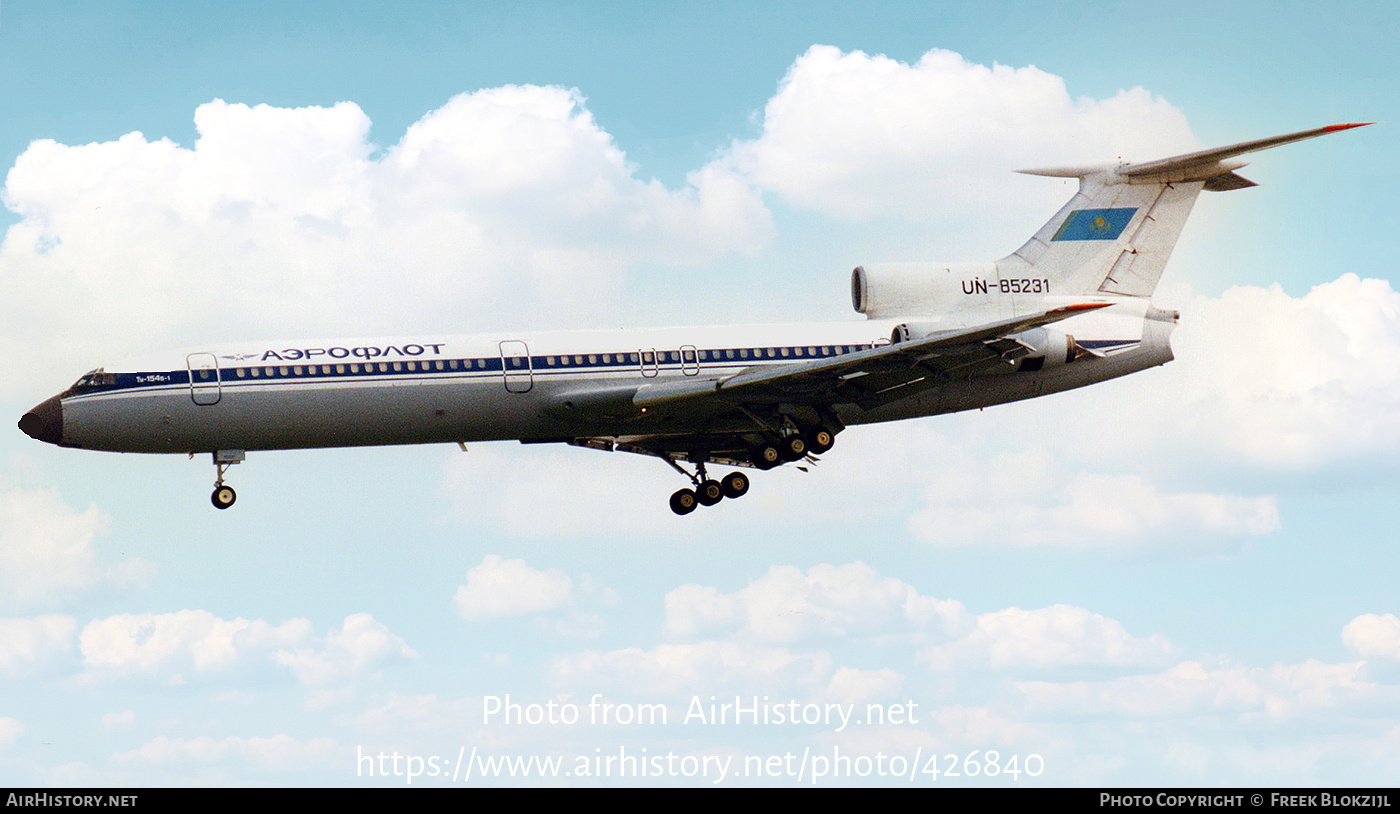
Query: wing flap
[866, 377]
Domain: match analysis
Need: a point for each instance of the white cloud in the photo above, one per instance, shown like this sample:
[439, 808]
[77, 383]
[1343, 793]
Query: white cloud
[10, 730]
[497, 191]
[171, 644]
[786, 605]
[360, 645]
[1024, 499]
[708, 666]
[1190, 688]
[851, 686]
[26, 644]
[1262, 381]
[859, 136]
[119, 721]
[46, 552]
[279, 753]
[983, 727]
[1056, 636]
[1291, 381]
[502, 487]
[419, 713]
[1373, 636]
[499, 587]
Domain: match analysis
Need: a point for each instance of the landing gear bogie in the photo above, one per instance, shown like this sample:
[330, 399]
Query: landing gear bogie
[707, 491]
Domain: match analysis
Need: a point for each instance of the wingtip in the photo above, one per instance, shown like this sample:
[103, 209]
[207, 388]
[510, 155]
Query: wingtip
[1080, 306]
[1332, 128]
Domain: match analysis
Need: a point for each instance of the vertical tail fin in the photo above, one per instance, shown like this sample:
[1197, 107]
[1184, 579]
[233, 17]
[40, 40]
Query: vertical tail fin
[1116, 234]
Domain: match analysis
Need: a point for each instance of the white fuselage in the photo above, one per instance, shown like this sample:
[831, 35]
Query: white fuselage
[437, 389]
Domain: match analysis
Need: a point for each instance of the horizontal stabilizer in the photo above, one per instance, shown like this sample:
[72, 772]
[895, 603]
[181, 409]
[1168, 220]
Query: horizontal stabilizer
[1207, 159]
[1203, 165]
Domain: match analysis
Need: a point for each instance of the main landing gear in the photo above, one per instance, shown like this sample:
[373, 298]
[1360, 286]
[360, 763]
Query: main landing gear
[766, 455]
[224, 496]
[707, 492]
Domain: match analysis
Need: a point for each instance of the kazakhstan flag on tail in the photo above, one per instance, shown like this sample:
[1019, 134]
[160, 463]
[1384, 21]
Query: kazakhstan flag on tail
[1095, 224]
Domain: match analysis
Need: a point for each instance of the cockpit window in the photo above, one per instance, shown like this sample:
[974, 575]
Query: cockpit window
[98, 379]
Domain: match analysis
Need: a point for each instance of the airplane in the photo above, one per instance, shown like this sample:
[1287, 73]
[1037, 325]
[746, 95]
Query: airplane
[1070, 308]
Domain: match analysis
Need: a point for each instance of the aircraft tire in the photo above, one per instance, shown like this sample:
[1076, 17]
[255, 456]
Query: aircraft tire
[794, 448]
[766, 456]
[820, 440]
[223, 497]
[683, 501]
[735, 484]
[709, 493]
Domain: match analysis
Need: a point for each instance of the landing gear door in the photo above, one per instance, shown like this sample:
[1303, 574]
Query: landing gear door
[515, 366]
[206, 388]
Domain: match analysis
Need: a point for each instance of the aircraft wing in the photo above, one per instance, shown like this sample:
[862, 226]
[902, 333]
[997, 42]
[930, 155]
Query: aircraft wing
[868, 378]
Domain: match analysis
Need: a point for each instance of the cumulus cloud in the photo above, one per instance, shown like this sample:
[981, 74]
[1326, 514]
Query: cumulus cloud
[502, 486]
[702, 666]
[173, 644]
[26, 644]
[786, 605]
[1291, 382]
[1190, 688]
[1028, 498]
[46, 552]
[499, 587]
[419, 713]
[851, 686]
[274, 210]
[1057, 636]
[1373, 636]
[177, 646]
[859, 136]
[119, 721]
[10, 730]
[359, 646]
[1035, 498]
[981, 726]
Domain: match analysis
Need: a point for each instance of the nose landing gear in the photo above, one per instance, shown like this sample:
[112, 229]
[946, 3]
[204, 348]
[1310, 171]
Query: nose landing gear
[224, 496]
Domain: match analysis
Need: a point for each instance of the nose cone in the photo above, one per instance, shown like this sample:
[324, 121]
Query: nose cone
[45, 422]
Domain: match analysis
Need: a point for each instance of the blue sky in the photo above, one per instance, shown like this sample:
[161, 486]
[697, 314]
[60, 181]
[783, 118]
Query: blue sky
[1228, 618]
